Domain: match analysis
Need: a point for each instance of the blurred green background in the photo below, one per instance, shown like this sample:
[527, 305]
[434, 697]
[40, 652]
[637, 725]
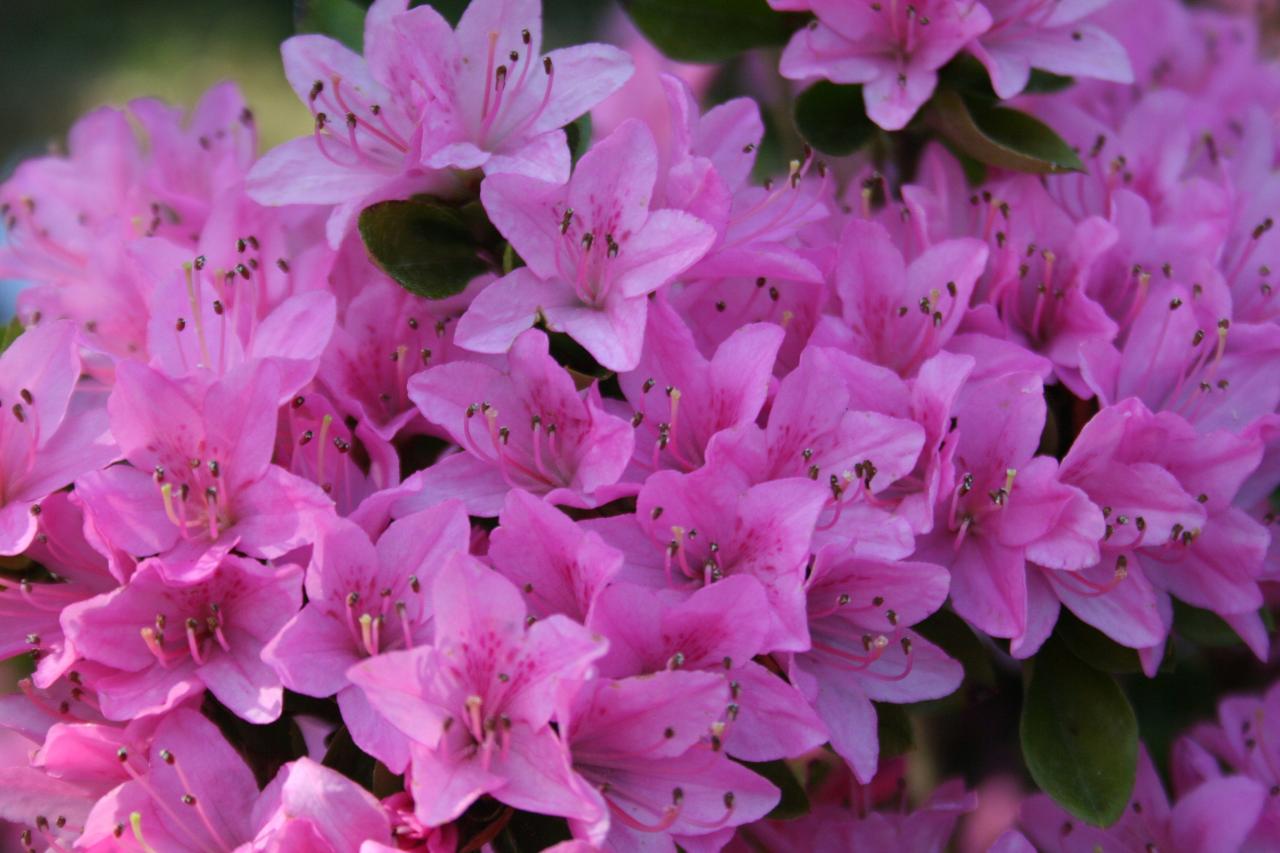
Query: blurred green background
[59, 58]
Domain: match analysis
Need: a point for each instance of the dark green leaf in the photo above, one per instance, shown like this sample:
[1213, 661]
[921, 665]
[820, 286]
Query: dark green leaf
[1095, 648]
[1206, 628]
[1046, 82]
[339, 19]
[1001, 137]
[1079, 735]
[711, 30]
[893, 727]
[579, 135]
[9, 333]
[833, 119]
[345, 757]
[794, 802]
[430, 247]
[954, 636]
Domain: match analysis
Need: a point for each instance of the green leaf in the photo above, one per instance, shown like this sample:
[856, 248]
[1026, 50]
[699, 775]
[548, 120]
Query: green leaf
[954, 636]
[1208, 629]
[9, 333]
[711, 30]
[339, 19]
[794, 802]
[833, 119]
[344, 756]
[579, 136]
[1079, 736]
[1095, 648]
[893, 727]
[1046, 82]
[432, 248]
[999, 136]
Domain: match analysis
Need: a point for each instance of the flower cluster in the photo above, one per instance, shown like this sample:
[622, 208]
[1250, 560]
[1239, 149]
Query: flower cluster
[659, 499]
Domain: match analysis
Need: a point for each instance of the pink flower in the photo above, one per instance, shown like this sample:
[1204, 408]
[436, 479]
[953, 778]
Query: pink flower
[899, 315]
[720, 629]
[166, 642]
[683, 399]
[715, 523]
[1166, 492]
[861, 648]
[309, 807]
[1052, 36]
[646, 745]
[1009, 509]
[524, 427]
[49, 434]
[364, 599]
[202, 478]
[476, 702]
[594, 251]
[895, 49]
[559, 566]
[426, 98]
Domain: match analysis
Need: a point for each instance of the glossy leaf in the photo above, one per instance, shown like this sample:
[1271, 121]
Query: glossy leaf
[999, 136]
[430, 247]
[711, 30]
[833, 119]
[1079, 735]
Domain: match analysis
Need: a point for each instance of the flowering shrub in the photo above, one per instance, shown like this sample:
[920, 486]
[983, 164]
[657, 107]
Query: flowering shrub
[447, 479]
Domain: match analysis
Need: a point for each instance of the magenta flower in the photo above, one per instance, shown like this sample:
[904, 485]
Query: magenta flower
[861, 648]
[698, 528]
[524, 427]
[368, 373]
[899, 315]
[646, 745]
[894, 49]
[31, 611]
[1054, 36]
[364, 599]
[307, 806]
[1008, 509]
[682, 399]
[314, 441]
[476, 703]
[706, 172]
[427, 98]
[49, 434]
[719, 628]
[594, 251]
[166, 642]
[1166, 492]
[559, 566]
[202, 478]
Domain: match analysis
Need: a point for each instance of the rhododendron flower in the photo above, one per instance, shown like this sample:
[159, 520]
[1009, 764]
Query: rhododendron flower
[526, 427]
[894, 49]
[631, 738]
[861, 648]
[427, 98]
[168, 642]
[364, 599]
[1055, 37]
[49, 434]
[594, 251]
[203, 482]
[476, 702]
[647, 492]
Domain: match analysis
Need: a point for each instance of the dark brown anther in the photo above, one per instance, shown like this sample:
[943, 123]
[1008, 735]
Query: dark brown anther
[316, 88]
